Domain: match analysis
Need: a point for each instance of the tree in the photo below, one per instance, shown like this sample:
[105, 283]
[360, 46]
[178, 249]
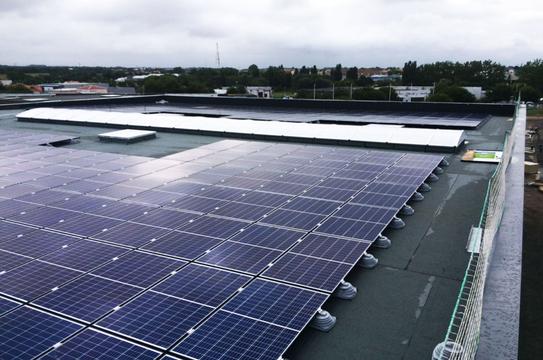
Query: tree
[253, 71]
[368, 94]
[337, 73]
[409, 73]
[439, 97]
[529, 93]
[304, 70]
[531, 73]
[459, 94]
[314, 70]
[500, 92]
[388, 91]
[352, 73]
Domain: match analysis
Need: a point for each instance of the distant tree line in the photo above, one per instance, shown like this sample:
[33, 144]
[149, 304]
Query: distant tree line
[447, 77]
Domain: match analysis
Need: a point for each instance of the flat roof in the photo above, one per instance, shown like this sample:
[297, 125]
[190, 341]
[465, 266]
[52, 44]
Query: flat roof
[404, 305]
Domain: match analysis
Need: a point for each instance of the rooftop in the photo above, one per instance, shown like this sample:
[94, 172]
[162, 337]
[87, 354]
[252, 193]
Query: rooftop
[404, 305]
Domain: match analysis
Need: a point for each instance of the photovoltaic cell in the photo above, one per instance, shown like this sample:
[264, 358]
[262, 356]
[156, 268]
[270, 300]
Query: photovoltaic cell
[139, 269]
[88, 298]
[268, 236]
[303, 270]
[34, 279]
[241, 257]
[169, 219]
[26, 333]
[263, 199]
[91, 344]
[181, 244]
[310, 205]
[156, 318]
[85, 225]
[366, 213]
[204, 285]
[326, 193]
[197, 203]
[10, 230]
[227, 336]
[277, 303]
[10, 260]
[382, 200]
[242, 211]
[122, 211]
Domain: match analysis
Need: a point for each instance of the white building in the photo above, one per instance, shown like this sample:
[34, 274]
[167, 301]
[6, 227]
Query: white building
[260, 91]
[413, 93]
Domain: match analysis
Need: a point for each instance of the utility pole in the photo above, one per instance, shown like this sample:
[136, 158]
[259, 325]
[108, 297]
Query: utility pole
[333, 91]
[351, 92]
[314, 89]
[389, 91]
[218, 59]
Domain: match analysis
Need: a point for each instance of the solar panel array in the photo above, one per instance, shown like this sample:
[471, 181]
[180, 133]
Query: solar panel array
[410, 118]
[221, 252]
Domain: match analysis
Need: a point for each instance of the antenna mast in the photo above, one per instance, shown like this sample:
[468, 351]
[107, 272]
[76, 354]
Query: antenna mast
[218, 56]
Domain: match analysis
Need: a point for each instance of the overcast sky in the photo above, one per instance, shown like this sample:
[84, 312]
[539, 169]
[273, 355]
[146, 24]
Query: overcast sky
[265, 32]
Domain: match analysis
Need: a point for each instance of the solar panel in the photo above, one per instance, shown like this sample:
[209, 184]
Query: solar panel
[308, 271]
[9, 207]
[268, 236]
[331, 248]
[37, 243]
[309, 205]
[88, 298]
[326, 193]
[85, 225]
[229, 336]
[383, 200]
[368, 213]
[156, 318]
[138, 268]
[197, 203]
[214, 227]
[357, 229]
[121, 211]
[201, 284]
[131, 234]
[241, 257]
[264, 199]
[42, 216]
[293, 219]
[92, 344]
[181, 244]
[10, 230]
[26, 333]
[276, 303]
[242, 211]
[84, 255]
[168, 219]
[34, 279]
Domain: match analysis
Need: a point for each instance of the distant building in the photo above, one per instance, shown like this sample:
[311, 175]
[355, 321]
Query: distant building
[74, 87]
[386, 78]
[476, 91]
[6, 82]
[260, 91]
[511, 74]
[413, 93]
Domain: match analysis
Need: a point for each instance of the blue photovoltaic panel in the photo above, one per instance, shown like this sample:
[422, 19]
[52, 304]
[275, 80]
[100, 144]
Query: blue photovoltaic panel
[221, 192]
[9, 207]
[381, 200]
[303, 270]
[7, 305]
[227, 336]
[197, 203]
[34, 279]
[156, 318]
[214, 227]
[356, 229]
[131, 234]
[366, 213]
[293, 219]
[26, 333]
[81, 203]
[181, 244]
[43, 197]
[169, 219]
[242, 211]
[122, 211]
[326, 193]
[182, 187]
[331, 248]
[284, 188]
[153, 198]
[268, 236]
[241, 257]
[85, 225]
[346, 184]
[43, 216]
[84, 255]
[91, 344]
[37, 243]
[116, 191]
[139, 269]
[204, 285]
[88, 297]
[391, 189]
[314, 170]
[10, 260]
[263, 199]
[277, 303]
[299, 179]
[309, 205]
[9, 230]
